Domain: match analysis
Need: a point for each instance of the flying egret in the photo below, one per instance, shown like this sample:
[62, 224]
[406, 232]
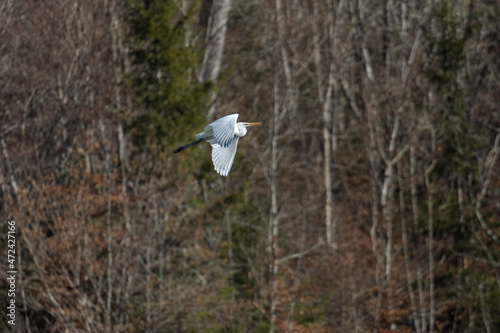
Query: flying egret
[223, 135]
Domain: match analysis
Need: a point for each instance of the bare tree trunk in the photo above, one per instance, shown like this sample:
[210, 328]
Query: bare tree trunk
[430, 210]
[415, 215]
[284, 101]
[372, 151]
[325, 87]
[230, 267]
[147, 267]
[327, 118]
[489, 164]
[296, 281]
[387, 196]
[4, 154]
[216, 36]
[108, 323]
[118, 54]
[117, 48]
[485, 308]
[407, 259]
[325, 99]
[122, 153]
[273, 216]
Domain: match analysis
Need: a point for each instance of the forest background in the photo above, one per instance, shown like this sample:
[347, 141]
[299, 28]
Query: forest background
[369, 200]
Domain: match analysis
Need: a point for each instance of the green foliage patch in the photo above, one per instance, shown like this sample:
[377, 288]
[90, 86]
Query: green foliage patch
[165, 45]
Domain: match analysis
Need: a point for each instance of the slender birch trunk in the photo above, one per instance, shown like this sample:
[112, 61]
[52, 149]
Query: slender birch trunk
[373, 154]
[118, 54]
[273, 215]
[430, 210]
[325, 99]
[216, 36]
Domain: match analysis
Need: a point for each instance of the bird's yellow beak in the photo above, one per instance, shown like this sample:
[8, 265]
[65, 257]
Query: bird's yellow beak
[254, 124]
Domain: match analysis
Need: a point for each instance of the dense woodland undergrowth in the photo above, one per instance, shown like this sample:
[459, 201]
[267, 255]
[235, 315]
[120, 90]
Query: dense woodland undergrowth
[369, 200]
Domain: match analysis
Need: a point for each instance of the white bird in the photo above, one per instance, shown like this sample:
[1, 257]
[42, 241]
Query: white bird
[223, 134]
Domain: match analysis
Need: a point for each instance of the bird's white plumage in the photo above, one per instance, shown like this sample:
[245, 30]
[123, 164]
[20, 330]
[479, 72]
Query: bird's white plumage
[223, 130]
[224, 142]
[223, 135]
[223, 158]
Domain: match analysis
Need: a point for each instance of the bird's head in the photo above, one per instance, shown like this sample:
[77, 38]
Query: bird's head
[242, 128]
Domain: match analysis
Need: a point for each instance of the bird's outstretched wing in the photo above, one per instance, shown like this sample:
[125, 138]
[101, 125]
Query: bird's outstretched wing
[223, 158]
[223, 129]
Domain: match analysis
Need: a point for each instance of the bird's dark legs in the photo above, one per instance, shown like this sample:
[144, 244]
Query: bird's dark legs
[181, 148]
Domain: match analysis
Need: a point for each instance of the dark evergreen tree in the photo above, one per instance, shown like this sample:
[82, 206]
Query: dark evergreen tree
[166, 49]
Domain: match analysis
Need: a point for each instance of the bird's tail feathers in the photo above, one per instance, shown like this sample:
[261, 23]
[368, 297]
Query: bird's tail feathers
[181, 148]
